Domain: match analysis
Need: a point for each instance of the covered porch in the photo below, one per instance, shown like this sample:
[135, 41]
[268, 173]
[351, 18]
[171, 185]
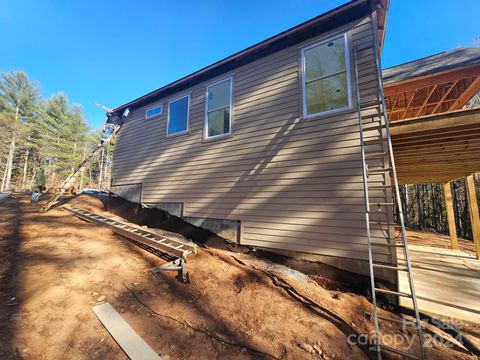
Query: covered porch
[435, 130]
[435, 125]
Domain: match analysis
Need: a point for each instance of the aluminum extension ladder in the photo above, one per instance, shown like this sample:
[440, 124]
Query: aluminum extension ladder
[70, 180]
[379, 150]
[179, 250]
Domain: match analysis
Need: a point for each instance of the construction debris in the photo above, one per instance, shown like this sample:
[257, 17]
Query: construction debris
[133, 345]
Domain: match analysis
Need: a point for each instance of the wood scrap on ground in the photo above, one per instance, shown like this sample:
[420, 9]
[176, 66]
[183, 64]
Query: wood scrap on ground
[133, 345]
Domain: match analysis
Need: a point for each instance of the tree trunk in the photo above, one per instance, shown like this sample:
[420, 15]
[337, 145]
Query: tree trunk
[406, 214]
[9, 168]
[32, 179]
[82, 174]
[25, 167]
[11, 153]
[4, 178]
[100, 177]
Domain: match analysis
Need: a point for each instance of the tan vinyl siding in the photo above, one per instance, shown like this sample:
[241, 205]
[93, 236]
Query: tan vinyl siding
[294, 184]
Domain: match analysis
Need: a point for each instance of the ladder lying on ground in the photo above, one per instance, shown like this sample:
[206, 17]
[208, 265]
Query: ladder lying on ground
[379, 150]
[70, 180]
[174, 248]
[4, 196]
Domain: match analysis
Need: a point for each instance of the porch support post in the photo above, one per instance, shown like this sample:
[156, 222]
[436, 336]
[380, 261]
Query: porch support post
[452, 228]
[474, 213]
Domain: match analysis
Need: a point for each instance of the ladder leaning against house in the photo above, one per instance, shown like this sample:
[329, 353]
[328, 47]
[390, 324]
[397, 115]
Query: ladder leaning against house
[382, 179]
[111, 129]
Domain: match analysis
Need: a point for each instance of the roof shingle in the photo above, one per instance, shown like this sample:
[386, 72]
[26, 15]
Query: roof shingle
[440, 62]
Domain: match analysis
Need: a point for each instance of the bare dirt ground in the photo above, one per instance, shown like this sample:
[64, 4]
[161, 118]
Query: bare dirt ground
[424, 238]
[55, 267]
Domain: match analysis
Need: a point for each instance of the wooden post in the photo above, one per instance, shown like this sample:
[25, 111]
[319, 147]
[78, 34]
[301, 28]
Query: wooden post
[474, 214]
[452, 228]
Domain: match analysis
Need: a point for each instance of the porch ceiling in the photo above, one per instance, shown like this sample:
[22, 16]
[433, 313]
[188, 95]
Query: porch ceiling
[437, 148]
[439, 83]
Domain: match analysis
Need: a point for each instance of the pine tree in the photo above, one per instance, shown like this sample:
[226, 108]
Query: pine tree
[18, 104]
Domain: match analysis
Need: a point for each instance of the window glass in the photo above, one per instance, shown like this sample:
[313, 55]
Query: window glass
[325, 59]
[153, 112]
[325, 78]
[327, 94]
[219, 95]
[218, 121]
[178, 115]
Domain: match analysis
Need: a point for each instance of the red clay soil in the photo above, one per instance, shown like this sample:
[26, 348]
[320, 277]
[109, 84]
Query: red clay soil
[423, 238]
[54, 267]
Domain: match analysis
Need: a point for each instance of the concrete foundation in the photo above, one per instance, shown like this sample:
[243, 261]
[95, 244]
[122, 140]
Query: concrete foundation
[174, 208]
[227, 229]
[352, 265]
[130, 192]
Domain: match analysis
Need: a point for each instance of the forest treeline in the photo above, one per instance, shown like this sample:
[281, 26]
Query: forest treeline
[423, 206]
[43, 138]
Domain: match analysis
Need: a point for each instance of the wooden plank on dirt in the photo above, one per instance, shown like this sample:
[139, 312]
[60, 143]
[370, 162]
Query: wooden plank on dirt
[130, 342]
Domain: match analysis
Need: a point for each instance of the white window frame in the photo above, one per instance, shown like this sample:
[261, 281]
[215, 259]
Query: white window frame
[205, 125]
[347, 70]
[151, 108]
[188, 114]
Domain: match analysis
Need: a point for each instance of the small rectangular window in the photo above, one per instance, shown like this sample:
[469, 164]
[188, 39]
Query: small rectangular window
[178, 112]
[326, 77]
[154, 111]
[218, 119]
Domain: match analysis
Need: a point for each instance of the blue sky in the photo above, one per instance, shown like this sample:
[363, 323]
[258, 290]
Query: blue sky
[114, 51]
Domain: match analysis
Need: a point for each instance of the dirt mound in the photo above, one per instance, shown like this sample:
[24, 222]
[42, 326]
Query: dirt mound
[424, 238]
[87, 202]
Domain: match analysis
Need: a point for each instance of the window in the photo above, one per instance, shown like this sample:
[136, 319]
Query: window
[154, 111]
[218, 119]
[178, 112]
[326, 77]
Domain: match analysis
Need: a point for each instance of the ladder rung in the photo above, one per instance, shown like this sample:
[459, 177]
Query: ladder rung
[380, 187]
[402, 322]
[372, 115]
[383, 223]
[390, 267]
[388, 245]
[391, 292]
[372, 120]
[378, 170]
[373, 142]
[372, 128]
[382, 204]
[179, 246]
[372, 103]
[388, 348]
[377, 155]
